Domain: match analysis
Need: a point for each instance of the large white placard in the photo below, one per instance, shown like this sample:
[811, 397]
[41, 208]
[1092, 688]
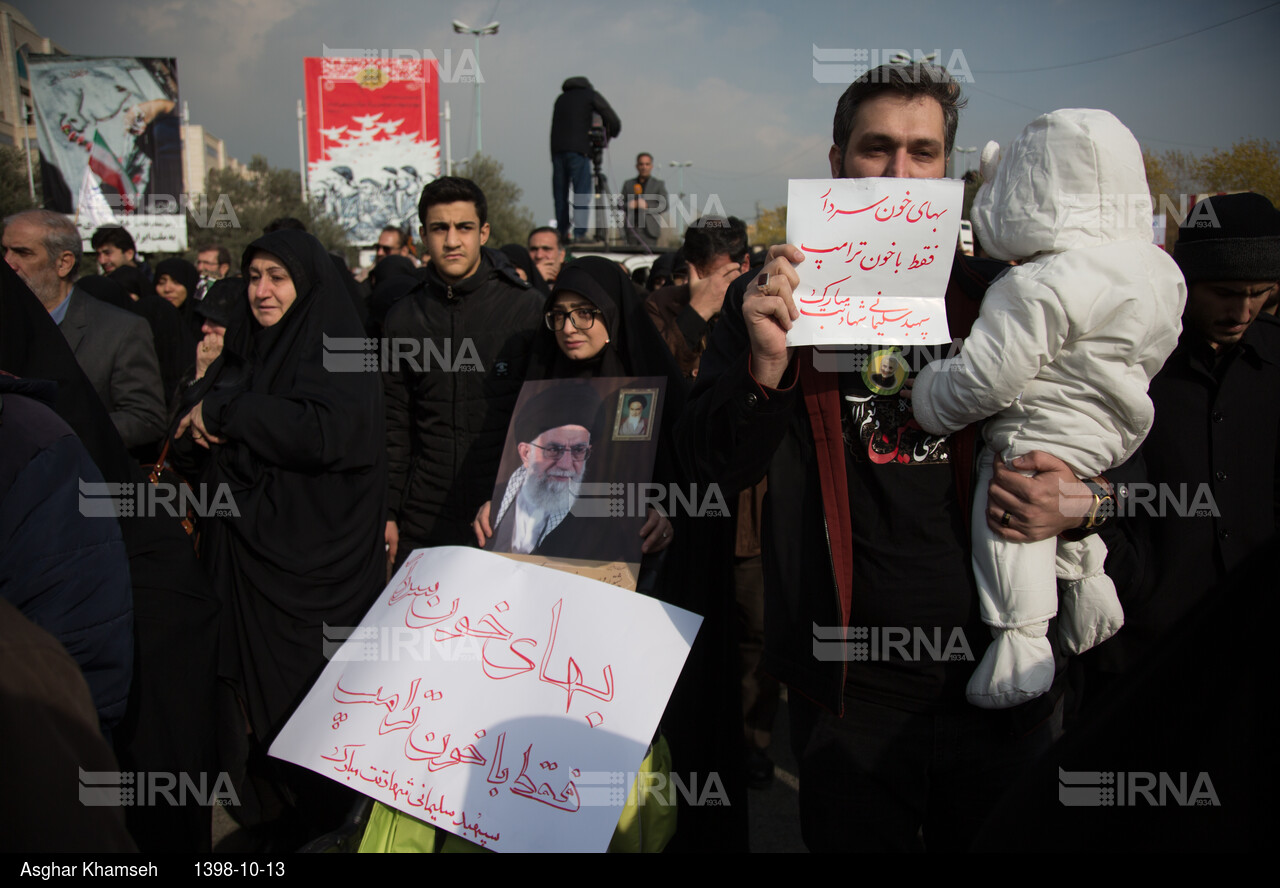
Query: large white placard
[156, 232]
[878, 255]
[505, 702]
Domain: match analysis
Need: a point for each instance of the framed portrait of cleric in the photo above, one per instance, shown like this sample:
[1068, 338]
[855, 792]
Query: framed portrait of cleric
[636, 407]
[573, 488]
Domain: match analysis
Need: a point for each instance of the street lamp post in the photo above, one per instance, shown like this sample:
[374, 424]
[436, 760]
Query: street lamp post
[448, 140]
[680, 165]
[491, 28]
[26, 135]
[302, 153]
[966, 152]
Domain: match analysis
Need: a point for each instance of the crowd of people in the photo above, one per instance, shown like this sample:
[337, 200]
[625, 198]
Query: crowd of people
[1008, 496]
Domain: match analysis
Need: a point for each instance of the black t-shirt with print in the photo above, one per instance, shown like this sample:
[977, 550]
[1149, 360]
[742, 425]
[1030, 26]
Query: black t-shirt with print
[914, 623]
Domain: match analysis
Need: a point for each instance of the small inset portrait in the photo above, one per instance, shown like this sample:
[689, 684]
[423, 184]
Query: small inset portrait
[885, 372]
[635, 414]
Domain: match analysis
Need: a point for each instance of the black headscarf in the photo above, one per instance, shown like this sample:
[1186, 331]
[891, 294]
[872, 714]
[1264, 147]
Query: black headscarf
[635, 347]
[391, 266]
[385, 293]
[182, 272]
[521, 259]
[225, 303]
[133, 280]
[174, 343]
[352, 286]
[661, 272]
[107, 290]
[185, 275]
[305, 461]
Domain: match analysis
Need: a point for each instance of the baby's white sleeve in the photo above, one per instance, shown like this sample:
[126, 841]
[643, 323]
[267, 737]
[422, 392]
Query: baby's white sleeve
[1021, 328]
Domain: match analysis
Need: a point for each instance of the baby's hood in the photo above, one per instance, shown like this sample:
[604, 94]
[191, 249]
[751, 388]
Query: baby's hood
[1074, 178]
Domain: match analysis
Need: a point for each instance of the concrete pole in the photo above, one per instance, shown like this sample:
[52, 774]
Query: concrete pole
[302, 154]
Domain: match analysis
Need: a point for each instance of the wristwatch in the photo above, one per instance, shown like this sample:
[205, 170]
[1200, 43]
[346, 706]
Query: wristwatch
[1105, 507]
[1104, 504]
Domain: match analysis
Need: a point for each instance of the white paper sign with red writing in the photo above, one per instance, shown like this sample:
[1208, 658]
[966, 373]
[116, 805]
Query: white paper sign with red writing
[877, 257]
[505, 702]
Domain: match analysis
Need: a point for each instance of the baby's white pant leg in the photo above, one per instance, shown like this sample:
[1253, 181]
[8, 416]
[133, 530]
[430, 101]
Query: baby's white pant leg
[1017, 596]
[1090, 609]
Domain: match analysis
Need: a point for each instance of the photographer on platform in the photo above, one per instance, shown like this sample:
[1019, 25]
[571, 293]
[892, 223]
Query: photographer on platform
[573, 138]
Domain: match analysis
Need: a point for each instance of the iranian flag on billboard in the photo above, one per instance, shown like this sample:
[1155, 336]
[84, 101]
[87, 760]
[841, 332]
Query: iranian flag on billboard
[373, 140]
[110, 142]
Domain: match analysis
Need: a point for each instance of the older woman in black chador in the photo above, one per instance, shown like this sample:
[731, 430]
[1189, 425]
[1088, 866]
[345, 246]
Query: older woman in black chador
[302, 454]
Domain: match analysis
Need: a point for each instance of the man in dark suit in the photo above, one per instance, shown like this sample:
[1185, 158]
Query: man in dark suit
[112, 346]
[645, 201]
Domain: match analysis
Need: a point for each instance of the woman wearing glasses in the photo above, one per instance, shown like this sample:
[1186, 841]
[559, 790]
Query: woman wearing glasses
[595, 326]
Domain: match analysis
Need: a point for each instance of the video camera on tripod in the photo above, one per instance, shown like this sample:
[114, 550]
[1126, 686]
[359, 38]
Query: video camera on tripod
[599, 136]
[606, 210]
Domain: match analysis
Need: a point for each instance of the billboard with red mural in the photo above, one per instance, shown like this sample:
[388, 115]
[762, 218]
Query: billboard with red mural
[373, 140]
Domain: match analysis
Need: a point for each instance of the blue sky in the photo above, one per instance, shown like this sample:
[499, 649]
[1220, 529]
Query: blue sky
[729, 86]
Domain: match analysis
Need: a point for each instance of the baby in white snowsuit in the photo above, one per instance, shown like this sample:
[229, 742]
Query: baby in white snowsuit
[1060, 358]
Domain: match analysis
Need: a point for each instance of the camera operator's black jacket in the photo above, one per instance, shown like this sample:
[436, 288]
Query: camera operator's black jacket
[571, 119]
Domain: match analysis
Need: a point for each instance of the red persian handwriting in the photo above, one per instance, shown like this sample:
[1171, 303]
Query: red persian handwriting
[572, 682]
[423, 599]
[566, 800]
[390, 722]
[908, 209]
[872, 260]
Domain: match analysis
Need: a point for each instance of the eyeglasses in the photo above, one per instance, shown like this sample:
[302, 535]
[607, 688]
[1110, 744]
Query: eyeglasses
[581, 318]
[383, 248]
[579, 452]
